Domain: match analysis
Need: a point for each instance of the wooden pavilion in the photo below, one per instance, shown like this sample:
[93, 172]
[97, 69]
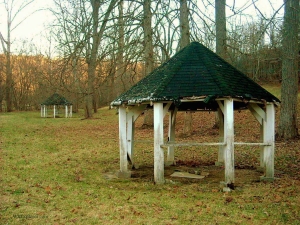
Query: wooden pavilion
[196, 79]
[56, 100]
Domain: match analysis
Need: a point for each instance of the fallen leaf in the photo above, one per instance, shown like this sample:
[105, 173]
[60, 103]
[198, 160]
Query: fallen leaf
[277, 198]
[48, 190]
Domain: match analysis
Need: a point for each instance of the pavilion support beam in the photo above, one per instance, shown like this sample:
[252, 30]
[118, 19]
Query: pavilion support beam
[171, 135]
[71, 111]
[130, 138]
[66, 111]
[43, 110]
[267, 154]
[260, 116]
[266, 118]
[158, 141]
[136, 111]
[261, 167]
[166, 108]
[54, 110]
[229, 140]
[221, 137]
[132, 115]
[221, 106]
[123, 144]
[257, 112]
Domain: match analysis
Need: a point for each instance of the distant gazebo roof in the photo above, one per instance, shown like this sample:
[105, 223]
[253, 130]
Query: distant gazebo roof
[56, 99]
[195, 72]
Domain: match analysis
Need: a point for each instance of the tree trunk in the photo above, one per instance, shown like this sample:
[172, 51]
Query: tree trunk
[120, 54]
[12, 12]
[9, 78]
[90, 100]
[113, 82]
[149, 62]
[184, 41]
[289, 89]
[76, 82]
[92, 61]
[220, 19]
[184, 24]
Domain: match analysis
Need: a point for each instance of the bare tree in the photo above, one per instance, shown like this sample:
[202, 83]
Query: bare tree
[97, 34]
[2, 75]
[289, 89]
[165, 30]
[83, 25]
[12, 9]
[184, 24]
[148, 37]
[220, 18]
[184, 41]
[70, 31]
[149, 58]
[120, 70]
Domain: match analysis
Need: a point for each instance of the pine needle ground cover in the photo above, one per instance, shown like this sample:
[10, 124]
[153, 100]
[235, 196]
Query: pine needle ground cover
[61, 171]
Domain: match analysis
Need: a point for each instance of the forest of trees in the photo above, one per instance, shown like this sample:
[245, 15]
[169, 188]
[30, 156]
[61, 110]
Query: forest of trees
[99, 48]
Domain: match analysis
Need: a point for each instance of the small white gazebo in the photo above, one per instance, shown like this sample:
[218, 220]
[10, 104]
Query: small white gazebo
[196, 79]
[56, 100]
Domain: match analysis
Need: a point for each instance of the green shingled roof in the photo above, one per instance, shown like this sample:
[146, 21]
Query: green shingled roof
[56, 99]
[197, 72]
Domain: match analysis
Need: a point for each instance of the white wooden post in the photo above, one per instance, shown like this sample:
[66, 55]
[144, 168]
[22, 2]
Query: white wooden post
[132, 115]
[54, 111]
[71, 112]
[158, 141]
[269, 137]
[171, 135]
[41, 110]
[44, 107]
[66, 111]
[262, 160]
[130, 137]
[122, 139]
[221, 138]
[260, 116]
[229, 140]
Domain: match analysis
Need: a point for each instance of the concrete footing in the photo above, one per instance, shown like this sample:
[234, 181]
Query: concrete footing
[225, 187]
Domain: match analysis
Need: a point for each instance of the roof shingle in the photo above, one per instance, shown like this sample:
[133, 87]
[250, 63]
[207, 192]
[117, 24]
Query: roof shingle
[195, 71]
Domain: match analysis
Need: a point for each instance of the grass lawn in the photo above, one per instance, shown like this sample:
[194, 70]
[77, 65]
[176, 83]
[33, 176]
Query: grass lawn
[61, 171]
